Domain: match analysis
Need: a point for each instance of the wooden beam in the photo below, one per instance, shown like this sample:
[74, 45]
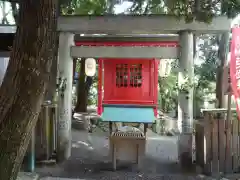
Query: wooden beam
[126, 38]
[124, 52]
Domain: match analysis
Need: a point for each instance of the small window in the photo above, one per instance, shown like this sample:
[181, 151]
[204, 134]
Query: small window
[134, 79]
[136, 75]
[121, 75]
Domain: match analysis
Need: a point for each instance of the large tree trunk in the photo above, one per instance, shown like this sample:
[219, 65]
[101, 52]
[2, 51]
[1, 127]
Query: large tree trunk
[52, 85]
[84, 85]
[81, 105]
[26, 80]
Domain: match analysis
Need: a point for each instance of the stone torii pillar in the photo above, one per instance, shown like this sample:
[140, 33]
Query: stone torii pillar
[64, 136]
[185, 97]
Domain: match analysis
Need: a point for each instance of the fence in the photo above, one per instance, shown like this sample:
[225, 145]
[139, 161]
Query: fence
[46, 132]
[218, 142]
[44, 136]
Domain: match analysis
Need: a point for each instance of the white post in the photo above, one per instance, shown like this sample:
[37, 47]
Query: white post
[64, 138]
[185, 98]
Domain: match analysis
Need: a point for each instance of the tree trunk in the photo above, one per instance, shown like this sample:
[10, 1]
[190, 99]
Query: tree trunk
[74, 67]
[84, 85]
[176, 108]
[222, 56]
[81, 105]
[22, 91]
[52, 85]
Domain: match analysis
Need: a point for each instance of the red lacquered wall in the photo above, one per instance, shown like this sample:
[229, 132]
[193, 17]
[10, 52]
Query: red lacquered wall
[129, 81]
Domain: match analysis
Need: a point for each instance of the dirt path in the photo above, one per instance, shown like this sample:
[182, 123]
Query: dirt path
[90, 160]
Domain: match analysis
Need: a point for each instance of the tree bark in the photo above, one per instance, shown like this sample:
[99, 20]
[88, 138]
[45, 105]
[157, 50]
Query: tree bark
[84, 85]
[26, 80]
[52, 85]
[74, 67]
[81, 105]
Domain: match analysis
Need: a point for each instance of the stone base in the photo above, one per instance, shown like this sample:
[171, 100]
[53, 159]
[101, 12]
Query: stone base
[185, 150]
[27, 176]
[64, 152]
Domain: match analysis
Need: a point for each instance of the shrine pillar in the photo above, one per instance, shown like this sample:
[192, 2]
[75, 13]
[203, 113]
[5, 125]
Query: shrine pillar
[185, 97]
[65, 72]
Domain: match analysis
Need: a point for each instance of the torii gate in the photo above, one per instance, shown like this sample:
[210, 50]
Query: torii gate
[120, 28]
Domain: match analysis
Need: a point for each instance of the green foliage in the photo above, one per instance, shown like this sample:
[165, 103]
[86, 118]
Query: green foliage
[200, 10]
[84, 7]
[230, 8]
[209, 48]
[92, 98]
[206, 72]
[78, 65]
[88, 7]
[146, 7]
[205, 76]
[168, 89]
[167, 92]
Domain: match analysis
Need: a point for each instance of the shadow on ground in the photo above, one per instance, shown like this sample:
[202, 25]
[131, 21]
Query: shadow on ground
[90, 160]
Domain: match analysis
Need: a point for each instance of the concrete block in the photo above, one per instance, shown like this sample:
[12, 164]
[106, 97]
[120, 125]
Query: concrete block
[27, 176]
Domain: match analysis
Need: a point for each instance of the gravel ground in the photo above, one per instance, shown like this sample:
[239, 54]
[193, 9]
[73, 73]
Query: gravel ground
[90, 160]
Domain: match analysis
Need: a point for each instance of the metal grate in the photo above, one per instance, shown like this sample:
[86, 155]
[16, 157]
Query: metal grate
[136, 75]
[121, 75]
[128, 134]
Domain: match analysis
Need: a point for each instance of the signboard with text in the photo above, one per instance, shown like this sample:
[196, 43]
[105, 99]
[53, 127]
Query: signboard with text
[235, 67]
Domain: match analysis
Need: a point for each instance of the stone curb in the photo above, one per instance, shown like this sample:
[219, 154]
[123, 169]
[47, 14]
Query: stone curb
[57, 178]
[27, 176]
